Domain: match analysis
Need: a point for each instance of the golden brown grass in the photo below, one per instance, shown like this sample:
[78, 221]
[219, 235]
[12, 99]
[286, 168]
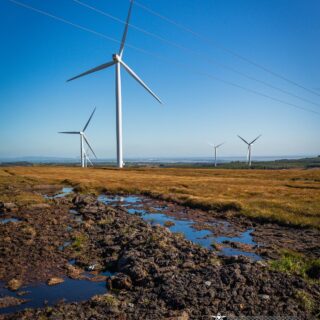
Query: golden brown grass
[21, 192]
[288, 196]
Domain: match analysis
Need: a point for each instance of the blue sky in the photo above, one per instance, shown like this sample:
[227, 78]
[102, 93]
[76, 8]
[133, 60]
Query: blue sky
[38, 54]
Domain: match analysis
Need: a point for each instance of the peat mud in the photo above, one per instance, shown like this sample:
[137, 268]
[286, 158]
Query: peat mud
[152, 273]
[228, 232]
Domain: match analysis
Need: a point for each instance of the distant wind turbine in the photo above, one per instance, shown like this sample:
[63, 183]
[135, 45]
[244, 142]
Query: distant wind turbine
[215, 151]
[83, 139]
[118, 62]
[249, 148]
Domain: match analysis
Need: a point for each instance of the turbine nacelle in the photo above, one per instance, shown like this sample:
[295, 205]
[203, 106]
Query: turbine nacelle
[116, 58]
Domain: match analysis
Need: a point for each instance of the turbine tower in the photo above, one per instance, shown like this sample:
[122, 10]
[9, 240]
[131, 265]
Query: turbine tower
[215, 151]
[249, 148]
[118, 63]
[83, 139]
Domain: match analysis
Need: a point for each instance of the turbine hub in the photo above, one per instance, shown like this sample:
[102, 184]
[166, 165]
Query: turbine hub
[116, 57]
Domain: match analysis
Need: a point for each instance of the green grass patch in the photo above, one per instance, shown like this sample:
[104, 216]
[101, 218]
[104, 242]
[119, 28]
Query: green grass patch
[305, 300]
[296, 263]
[80, 241]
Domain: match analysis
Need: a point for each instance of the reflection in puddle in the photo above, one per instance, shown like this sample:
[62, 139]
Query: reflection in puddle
[204, 238]
[245, 237]
[120, 200]
[64, 192]
[137, 211]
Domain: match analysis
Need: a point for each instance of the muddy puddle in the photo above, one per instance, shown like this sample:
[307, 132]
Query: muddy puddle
[5, 220]
[217, 234]
[41, 295]
[70, 290]
[9, 220]
[63, 193]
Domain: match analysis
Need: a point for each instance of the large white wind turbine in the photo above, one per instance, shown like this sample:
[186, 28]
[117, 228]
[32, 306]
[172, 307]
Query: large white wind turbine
[215, 151]
[249, 148]
[83, 139]
[118, 62]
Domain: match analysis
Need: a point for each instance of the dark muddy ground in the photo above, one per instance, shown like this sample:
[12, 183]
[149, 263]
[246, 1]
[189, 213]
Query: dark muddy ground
[227, 230]
[122, 260]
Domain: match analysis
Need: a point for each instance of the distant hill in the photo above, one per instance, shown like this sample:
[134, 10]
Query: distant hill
[313, 162]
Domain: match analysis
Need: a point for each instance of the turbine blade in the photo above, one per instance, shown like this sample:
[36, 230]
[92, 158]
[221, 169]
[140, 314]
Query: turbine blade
[86, 140]
[101, 67]
[88, 159]
[243, 140]
[86, 156]
[85, 127]
[135, 76]
[70, 132]
[256, 139]
[125, 30]
[219, 145]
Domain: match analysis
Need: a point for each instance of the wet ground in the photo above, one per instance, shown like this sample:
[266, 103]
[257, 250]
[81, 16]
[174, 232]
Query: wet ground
[41, 295]
[157, 213]
[84, 243]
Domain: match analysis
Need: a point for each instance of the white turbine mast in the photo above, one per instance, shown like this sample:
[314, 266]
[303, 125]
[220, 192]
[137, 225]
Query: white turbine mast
[215, 151]
[83, 141]
[249, 144]
[118, 63]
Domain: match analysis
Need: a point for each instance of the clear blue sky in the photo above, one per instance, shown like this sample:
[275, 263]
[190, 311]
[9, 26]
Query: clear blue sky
[38, 54]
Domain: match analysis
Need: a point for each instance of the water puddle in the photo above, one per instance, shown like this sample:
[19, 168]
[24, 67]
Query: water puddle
[69, 291]
[64, 245]
[245, 237]
[158, 214]
[122, 201]
[8, 220]
[64, 192]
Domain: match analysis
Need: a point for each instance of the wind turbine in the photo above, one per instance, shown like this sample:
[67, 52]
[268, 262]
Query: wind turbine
[83, 139]
[118, 62]
[249, 148]
[215, 151]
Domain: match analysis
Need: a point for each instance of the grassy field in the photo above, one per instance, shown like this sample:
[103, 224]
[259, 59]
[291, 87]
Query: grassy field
[287, 196]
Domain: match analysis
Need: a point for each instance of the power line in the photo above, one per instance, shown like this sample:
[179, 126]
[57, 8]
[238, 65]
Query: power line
[223, 48]
[208, 58]
[183, 66]
[78, 26]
